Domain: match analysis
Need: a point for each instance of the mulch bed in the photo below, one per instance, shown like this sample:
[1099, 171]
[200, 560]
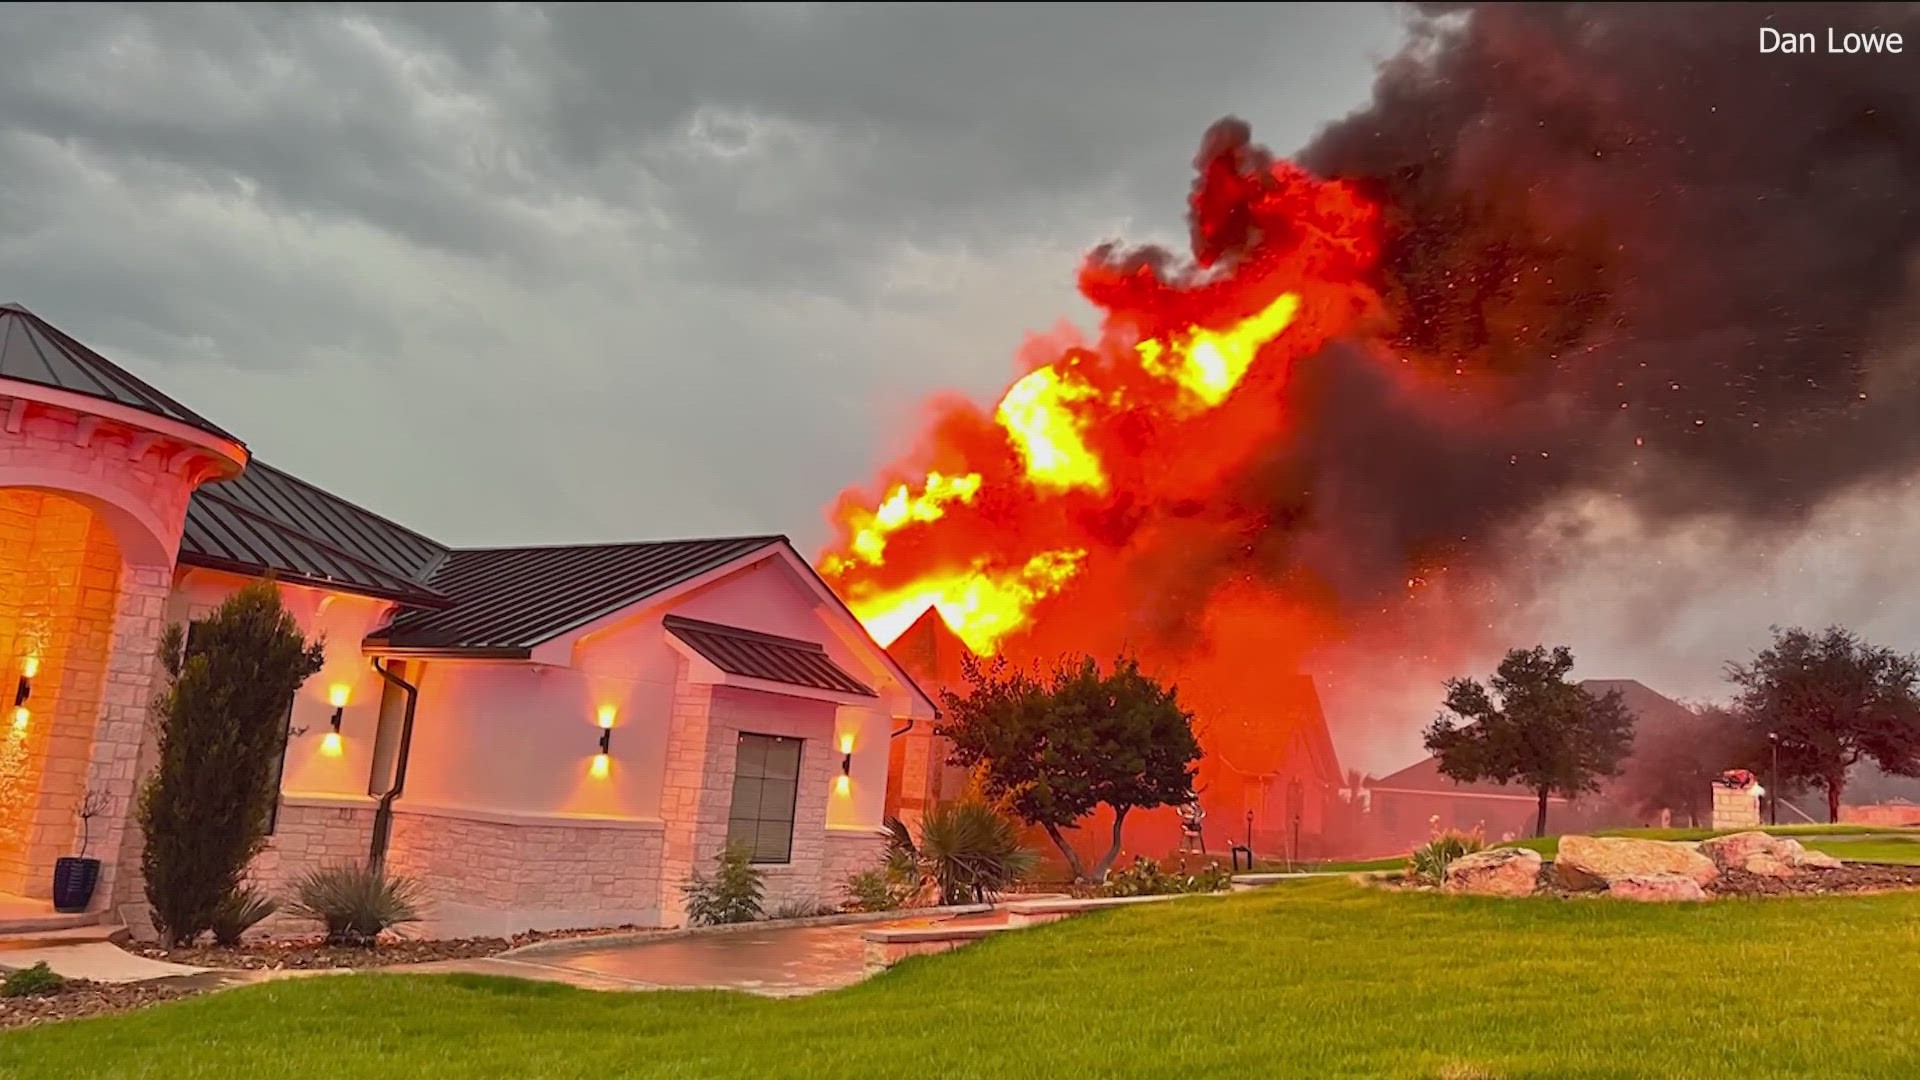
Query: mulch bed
[315, 953]
[1851, 878]
[80, 998]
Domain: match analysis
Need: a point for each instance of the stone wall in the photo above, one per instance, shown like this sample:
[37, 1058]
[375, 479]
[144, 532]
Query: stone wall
[1735, 808]
[847, 853]
[502, 877]
[695, 796]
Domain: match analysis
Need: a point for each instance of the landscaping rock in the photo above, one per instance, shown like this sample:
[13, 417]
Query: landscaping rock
[1499, 872]
[1595, 862]
[1816, 860]
[1656, 888]
[1731, 852]
[1767, 864]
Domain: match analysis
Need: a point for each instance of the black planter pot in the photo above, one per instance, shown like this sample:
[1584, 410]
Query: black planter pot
[73, 883]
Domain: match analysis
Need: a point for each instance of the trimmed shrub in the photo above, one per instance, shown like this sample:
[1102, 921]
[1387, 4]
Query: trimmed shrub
[221, 723]
[36, 981]
[732, 895]
[355, 903]
[240, 911]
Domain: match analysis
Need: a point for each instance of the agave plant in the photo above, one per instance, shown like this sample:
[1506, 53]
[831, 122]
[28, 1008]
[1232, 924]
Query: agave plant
[239, 912]
[356, 902]
[972, 852]
[1430, 860]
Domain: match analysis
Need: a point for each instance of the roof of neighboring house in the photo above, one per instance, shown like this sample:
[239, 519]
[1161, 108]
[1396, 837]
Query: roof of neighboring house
[931, 652]
[34, 350]
[266, 520]
[1646, 704]
[505, 601]
[765, 656]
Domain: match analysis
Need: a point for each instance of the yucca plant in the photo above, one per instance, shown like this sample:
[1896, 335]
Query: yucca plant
[355, 902]
[1430, 860]
[972, 852]
[238, 912]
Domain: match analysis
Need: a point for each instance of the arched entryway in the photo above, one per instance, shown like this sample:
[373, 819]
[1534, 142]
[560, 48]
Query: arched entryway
[60, 574]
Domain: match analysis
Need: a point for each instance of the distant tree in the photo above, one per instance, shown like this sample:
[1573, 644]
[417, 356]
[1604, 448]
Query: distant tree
[1831, 701]
[1531, 727]
[1051, 748]
[221, 724]
[1673, 765]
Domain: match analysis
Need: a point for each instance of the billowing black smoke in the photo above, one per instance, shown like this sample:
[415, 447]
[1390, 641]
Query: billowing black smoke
[1651, 261]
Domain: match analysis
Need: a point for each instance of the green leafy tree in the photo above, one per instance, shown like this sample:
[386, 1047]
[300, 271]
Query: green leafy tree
[221, 722]
[1530, 726]
[1673, 765]
[1830, 701]
[1051, 748]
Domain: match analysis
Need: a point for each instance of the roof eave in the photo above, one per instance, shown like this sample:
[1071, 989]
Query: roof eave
[236, 566]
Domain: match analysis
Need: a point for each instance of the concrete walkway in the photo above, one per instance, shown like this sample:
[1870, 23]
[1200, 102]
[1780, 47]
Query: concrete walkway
[773, 962]
[95, 961]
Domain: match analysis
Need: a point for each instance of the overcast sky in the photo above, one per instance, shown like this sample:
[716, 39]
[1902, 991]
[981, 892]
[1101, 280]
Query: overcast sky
[514, 274]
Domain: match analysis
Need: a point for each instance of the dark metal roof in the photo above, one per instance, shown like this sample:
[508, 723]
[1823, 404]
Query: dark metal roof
[765, 656]
[266, 520]
[508, 600]
[34, 350]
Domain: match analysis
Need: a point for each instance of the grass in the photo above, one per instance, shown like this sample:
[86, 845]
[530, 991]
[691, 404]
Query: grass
[1316, 978]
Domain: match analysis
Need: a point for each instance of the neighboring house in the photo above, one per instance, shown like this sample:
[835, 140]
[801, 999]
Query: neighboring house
[1273, 776]
[1408, 805]
[545, 736]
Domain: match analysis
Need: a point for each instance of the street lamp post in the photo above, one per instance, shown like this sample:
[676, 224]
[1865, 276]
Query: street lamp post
[1773, 782]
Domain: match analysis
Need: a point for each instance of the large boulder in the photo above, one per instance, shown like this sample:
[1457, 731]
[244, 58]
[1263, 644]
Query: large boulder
[1595, 862]
[1499, 872]
[1767, 856]
[1731, 852]
[1655, 888]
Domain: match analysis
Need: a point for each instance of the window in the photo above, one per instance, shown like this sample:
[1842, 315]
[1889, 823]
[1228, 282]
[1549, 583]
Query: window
[766, 780]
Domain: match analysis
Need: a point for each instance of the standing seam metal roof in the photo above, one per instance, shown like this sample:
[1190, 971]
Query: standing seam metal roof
[765, 656]
[508, 600]
[35, 351]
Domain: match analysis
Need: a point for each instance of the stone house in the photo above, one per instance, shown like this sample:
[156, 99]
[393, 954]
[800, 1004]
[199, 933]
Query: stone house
[545, 736]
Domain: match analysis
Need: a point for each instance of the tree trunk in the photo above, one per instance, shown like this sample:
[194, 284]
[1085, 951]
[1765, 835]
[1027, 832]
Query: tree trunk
[1540, 820]
[1066, 849]
[1113, 849]
[1835, 784]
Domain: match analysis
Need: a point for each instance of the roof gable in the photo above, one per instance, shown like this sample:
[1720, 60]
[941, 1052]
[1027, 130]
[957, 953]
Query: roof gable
[507, 601]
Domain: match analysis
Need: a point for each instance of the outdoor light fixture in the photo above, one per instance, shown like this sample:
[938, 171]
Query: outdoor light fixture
[19, 718]
[843, 783]
[28, 669]
[338, 697]
[601, 761]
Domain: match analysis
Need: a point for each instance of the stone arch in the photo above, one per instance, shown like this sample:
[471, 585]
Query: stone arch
[139, 527]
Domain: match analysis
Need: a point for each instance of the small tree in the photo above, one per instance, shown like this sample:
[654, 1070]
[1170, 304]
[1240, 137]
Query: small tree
[1052, 749]
[221, 723]
[1532, 727]
[1830, 701]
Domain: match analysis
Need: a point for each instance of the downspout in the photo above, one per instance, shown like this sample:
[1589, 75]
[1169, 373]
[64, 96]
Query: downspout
[383, 816]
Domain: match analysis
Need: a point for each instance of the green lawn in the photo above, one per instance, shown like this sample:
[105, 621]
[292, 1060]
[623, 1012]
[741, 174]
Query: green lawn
[1859, 843]
[1314, 978]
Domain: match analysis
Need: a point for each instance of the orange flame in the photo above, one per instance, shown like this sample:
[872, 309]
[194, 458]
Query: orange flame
[1019, 505]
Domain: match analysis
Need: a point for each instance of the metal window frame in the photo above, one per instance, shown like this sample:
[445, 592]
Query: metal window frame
[793, 806]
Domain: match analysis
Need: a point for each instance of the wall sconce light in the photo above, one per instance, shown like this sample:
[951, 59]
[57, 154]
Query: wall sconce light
[844, 782]
[338, 696]
[601, 761]
[19, 718]
[28, 669]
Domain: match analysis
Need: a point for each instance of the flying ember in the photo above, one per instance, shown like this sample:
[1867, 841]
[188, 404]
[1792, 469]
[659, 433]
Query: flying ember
[1002, 512]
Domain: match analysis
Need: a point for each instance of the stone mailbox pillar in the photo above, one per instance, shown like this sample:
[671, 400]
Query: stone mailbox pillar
[1736, 807]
